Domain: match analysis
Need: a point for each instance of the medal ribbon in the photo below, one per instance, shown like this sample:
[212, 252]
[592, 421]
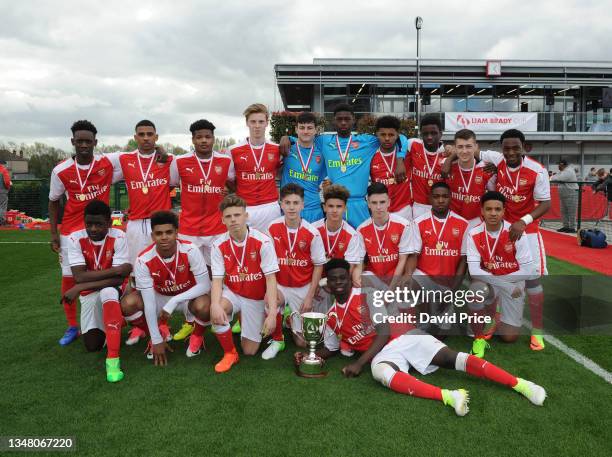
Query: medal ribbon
[330, 248]
[390, 168]
[145, 177]
[99, 256]
[344, 156]
[430, 169]
[514, 184]
[490, 250]
[469, 183]
[257, 162]
[346, 308]
[433, 226]
[176, 261]
[207, 174]
[292, 245]
[380, 243]
[244, 249]
[78, 173]
[304, 167]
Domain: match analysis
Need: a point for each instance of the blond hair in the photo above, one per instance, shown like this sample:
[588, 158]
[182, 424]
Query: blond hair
[256, 108]
[230, 201]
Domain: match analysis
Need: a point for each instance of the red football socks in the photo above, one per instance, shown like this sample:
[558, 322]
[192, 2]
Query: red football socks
[483, 369]
[113, 321]
[226, 340]
[70, 308]
[409, 385]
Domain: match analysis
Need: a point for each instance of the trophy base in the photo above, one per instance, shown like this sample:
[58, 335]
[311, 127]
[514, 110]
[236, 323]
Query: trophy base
[320, 374]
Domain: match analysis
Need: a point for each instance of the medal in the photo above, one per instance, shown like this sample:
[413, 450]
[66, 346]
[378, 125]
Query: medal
[145, 176]
[430, 168]
[466, 186]
[338, 320]
[391, 181]
[172, 274]
[206, 188]
[206, 174]
[82, 196]
[378, 240]
[466, 199]
[516, 198]
[257, 162]
[241, 274]
[289, 243]
[439, 243]
[515, 184]
[98, 257]
[491, 251]
[390, 168]
[430, 182]
[330, 247]
[343, 155]
[304, 166]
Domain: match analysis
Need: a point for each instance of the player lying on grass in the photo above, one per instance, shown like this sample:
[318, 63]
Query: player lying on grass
[244, 265]
[170, 274]
[493, 258]
[99, 260]
[301, 257]
[364, 327]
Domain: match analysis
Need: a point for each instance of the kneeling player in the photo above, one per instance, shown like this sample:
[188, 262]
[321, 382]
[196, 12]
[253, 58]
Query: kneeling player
[99, 261]
[503, 264]
[365, 330]
[301, 257]
[170, 274]
[243, 268]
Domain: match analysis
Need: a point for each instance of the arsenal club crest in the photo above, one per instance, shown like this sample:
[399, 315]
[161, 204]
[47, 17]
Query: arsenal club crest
[355, 144]
[455, 232]
[395, 237]
[522, 182]
[180, 268]
[109, 254]
[478, 179]
[253, 255]
[302, 244]
[102, 171]
[508, 247]
[271, 156]
[318, 159]
[341, 245]
[218, 169]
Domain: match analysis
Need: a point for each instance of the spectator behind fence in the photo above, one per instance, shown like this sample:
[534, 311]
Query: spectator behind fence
[591, 176]
[604, 183]
[568, 196]
[5, 185]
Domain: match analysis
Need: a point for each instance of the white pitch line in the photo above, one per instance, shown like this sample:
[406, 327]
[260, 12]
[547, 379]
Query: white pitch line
[576, 356]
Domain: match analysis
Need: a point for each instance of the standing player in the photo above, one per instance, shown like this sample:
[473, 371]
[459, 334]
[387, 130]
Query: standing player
[148, 182]
[382, 168]
[495, 259]
[170, 274]
[439, 243]
[305, 166]
[424, 160]
[98, 257]
[301, 256]
[348, 158]
[203, 175]
[364, 329]
[524, 182]
[243, 267]
[385, 238]
[467, 179]
[257, 161]
[82, 178]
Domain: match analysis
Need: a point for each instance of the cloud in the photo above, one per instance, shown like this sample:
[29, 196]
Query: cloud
[117, 62]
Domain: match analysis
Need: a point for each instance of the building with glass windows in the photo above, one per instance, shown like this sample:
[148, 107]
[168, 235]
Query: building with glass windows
[563, 107]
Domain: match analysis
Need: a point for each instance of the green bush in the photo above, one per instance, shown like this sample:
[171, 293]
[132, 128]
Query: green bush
[284, 122]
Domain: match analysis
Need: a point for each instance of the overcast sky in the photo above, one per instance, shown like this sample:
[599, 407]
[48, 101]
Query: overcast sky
[116, 62]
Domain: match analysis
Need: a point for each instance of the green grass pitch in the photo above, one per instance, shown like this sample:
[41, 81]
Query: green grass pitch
[261, 408]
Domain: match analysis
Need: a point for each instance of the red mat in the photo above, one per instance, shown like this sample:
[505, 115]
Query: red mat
[565, 247]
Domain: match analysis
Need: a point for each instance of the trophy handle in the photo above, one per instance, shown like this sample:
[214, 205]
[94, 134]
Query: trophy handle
[299, 316]
[323, 329]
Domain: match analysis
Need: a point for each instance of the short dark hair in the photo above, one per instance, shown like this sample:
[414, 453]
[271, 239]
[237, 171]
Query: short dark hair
[84, 125]
[344, 107]
[163, 218]
[145, 123]
[562, 162]
[201, 124]
[492, 195]
[388, 122]
[292, 189]
[512, 133]
[465, 134]
[377, 188]
[97, 208]
[336, 191]
[336, 263]
[438, 185]
[431, 119]
[306, 118]
[230, 201]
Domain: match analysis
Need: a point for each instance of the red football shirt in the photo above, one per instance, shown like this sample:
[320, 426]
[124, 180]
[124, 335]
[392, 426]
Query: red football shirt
[202, 186]
[244, 265]
[170, 276]
[256, 172]
[298, 251]
[147, 182]
[497, 254]
[439, 243]
[467, 186]
[426, 169]
[351, 323]
[80, 184]
[341, 244]
[384, 245]
[98, 255]
[382, 169]
[522, 187]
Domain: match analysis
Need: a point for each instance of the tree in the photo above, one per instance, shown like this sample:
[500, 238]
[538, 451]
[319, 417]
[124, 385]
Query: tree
[41, 164]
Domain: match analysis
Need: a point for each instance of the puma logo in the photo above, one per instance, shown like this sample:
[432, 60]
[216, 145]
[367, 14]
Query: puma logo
[155, 273]
[190, 170]
[113, 325]
[133, 165]
[227, 257]
[277, 238]
[367, 240]
[243, 158]
[73, 181]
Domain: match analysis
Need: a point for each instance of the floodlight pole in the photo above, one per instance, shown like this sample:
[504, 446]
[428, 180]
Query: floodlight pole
[418, 23]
